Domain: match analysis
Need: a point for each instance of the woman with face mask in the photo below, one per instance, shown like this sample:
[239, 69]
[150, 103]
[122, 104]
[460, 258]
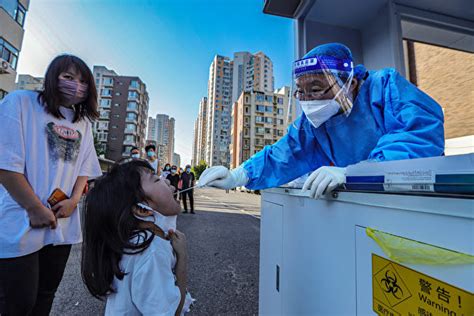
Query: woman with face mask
[47, 144]
[349, 115]
[166, 171]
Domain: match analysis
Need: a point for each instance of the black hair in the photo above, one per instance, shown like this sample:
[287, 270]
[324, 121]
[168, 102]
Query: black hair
[133, 148]
[51, 98]
[110, 225]
[151, 146]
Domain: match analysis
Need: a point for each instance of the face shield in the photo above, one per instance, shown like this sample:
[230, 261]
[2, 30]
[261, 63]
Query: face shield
[321, 87]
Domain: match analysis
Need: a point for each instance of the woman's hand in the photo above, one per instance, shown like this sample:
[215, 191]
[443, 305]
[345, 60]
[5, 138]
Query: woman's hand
[41, 217]
[64, 208]
[178, 241]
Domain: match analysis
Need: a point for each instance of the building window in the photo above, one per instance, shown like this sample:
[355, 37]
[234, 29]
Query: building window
[20, 15]
[131, 117]
[280, 100]
[117, 104]
[132, 95]
[105, 102]
[117, 115]
[107, 81]
[280, 111]
[130, 128]
[114, 126]
[106, 92]
[9, 53]
[132, 106]
[104, 114]
[260, 97]
[134, 84]
[103, 125]
[269, 109]
[118, 93]
[260, 108]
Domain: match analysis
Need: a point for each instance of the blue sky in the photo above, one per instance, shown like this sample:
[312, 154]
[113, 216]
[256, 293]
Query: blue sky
[168, 44]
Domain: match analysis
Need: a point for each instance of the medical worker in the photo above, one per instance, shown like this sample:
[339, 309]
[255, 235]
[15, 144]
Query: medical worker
[349, 115]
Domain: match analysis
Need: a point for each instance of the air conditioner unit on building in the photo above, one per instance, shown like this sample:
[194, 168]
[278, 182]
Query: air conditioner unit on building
[5, 67]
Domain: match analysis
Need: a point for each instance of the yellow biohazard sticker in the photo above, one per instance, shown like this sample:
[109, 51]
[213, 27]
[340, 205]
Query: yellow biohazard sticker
[398, 290]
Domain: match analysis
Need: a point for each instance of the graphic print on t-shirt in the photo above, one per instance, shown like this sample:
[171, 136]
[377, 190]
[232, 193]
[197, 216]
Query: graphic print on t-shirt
[63, 142]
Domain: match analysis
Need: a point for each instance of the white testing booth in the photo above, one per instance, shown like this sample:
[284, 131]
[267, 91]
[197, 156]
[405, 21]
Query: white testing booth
[316, 257]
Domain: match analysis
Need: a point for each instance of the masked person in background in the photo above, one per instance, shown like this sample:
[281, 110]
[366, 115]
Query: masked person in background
[188, 180]
[135, 152]
[151, 156]
[174, 178]
[47, 143]
[349, 115]
[166, 171]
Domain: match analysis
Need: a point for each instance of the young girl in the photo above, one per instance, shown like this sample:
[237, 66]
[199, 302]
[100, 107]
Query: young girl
[46, 143]
[130, 235]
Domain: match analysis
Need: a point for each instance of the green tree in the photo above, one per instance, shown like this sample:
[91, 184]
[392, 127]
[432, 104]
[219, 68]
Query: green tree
[199, 169]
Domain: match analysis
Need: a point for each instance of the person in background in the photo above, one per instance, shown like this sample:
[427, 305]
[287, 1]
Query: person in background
[151, 156]
[188, 180]
[166, 171]
[173, 178]
[349, 115]
[135, 152]
[47, 143]
[180, 183]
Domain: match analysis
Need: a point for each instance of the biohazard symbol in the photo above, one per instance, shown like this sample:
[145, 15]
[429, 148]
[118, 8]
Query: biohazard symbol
[390, 284]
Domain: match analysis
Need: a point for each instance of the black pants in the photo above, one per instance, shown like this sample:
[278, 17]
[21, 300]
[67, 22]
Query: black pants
[191, 199]
[28, 283]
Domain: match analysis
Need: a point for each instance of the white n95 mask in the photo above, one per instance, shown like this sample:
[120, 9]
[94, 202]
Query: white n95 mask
[319, 111]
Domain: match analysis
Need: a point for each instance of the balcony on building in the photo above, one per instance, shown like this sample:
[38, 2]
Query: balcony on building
[132, 107]
[107, 81]
[106, 93]
[133, 96]
[130, 128]
[131, 118]
[134, 85]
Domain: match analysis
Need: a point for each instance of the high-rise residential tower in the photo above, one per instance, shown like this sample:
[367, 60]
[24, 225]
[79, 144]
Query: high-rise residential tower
[228, 79]
[161, 130]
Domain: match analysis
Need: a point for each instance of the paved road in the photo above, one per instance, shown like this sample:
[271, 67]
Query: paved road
[223, 245]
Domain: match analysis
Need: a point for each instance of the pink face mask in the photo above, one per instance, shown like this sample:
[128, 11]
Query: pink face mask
[73, 92]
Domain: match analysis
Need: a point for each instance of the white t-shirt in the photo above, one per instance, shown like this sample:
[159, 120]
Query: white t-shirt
[51, 153]
[154, 164]
[148, 288]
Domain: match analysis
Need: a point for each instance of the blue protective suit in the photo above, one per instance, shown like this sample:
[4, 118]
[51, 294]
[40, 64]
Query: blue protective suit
[391, 119]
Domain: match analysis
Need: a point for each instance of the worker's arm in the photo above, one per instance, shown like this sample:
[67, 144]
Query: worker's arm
[412, 120]
[294, 155]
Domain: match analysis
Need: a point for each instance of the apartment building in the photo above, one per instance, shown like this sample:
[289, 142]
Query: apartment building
[227, 80]
[28, 82]
[259, 119]
[123, 107]
[12, 21]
